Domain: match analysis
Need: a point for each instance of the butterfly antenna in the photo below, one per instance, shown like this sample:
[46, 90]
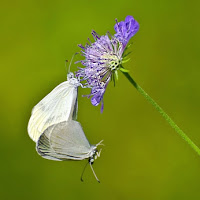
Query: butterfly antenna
[71, 62]
[83, 171]
[94, 173]
[66, 61]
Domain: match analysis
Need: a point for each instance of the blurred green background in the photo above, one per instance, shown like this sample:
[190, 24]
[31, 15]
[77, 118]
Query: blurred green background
[143, 157]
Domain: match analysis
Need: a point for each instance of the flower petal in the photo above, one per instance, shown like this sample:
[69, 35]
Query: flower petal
[102, 106]
[96, 99]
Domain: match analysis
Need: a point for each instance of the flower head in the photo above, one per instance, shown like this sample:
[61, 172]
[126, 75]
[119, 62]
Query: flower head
[104, 57]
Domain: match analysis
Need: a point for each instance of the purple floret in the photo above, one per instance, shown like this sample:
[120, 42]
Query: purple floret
[126, 29]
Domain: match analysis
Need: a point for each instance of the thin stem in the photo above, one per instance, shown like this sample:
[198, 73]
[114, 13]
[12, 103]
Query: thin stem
[163, 113]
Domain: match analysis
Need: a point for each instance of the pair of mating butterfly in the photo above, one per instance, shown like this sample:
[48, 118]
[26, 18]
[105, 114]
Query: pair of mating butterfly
[54, 128]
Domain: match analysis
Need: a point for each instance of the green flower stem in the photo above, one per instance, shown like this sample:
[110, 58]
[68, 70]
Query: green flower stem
[163, 113]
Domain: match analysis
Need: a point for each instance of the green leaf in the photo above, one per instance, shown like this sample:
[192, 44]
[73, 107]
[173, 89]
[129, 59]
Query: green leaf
[123, 70]
[113, 77]
[124, 56]
[125, 61]
[116, 75]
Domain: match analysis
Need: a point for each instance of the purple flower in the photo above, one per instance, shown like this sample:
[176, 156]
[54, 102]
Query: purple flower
[104, 57]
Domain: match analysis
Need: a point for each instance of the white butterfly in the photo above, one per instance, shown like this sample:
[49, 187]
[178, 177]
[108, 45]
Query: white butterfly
[67, 141]
[58, 106]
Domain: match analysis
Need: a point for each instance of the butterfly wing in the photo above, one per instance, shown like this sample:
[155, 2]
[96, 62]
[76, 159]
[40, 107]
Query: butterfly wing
[43, 146]
[57, 106]
[65, 140]
[68, 138]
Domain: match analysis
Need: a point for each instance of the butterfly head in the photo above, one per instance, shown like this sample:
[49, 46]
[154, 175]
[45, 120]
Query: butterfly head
[74, 81]
[70, 75]
[94, 154]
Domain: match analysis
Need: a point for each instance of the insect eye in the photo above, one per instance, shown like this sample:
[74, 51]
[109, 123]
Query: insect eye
[91, 160]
